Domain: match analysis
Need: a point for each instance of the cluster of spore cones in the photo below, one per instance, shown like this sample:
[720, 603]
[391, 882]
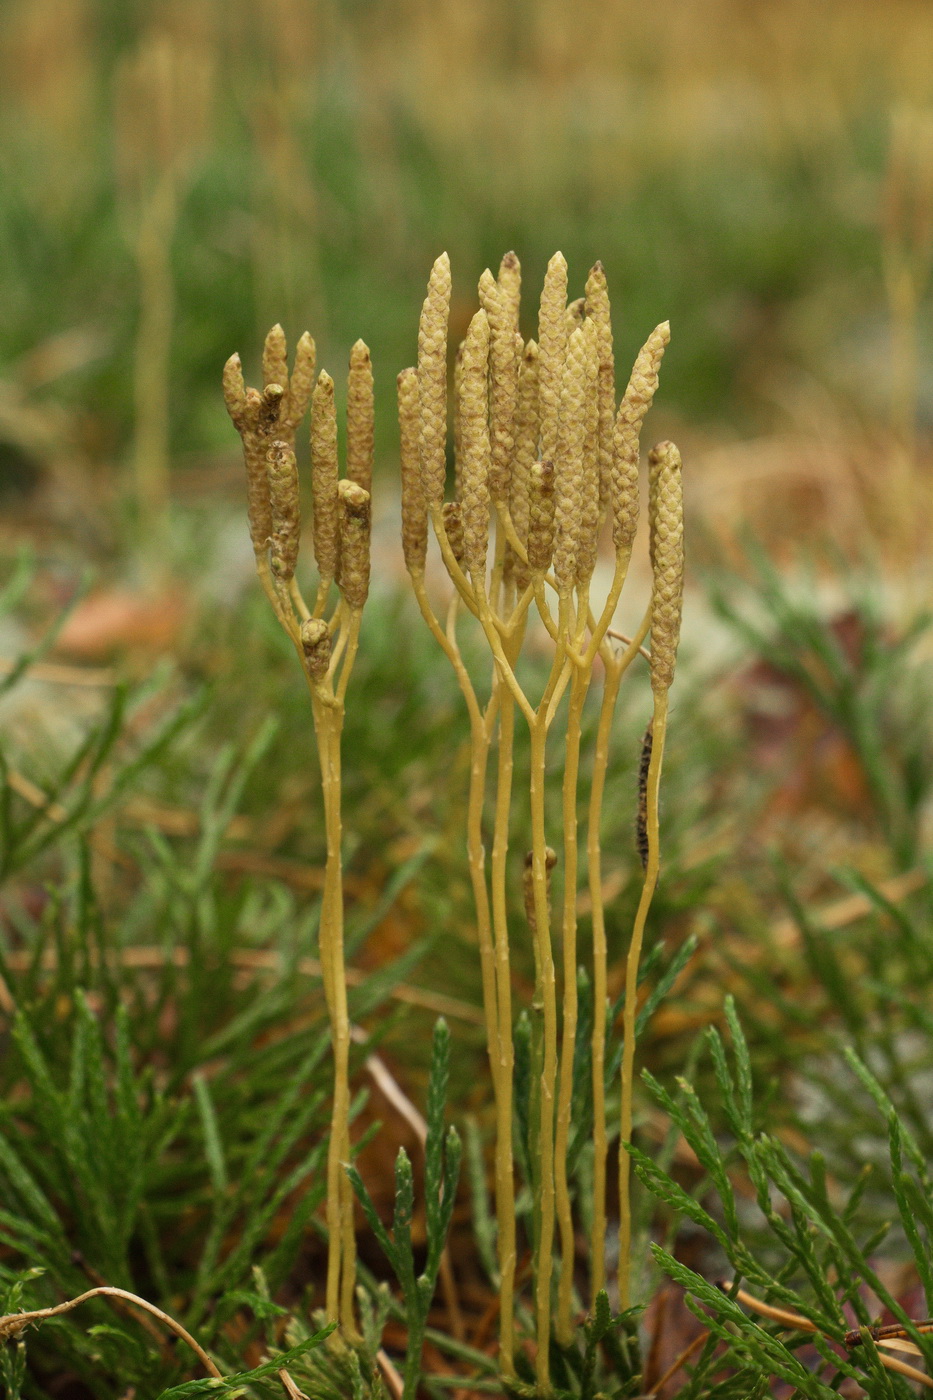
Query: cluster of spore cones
[545, 463]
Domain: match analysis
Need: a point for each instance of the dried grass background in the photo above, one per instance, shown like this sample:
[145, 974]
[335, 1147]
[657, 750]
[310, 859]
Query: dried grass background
[760, 173]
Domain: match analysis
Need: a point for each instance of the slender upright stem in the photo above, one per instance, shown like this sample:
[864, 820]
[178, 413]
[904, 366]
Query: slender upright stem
[564, 1326]
[297, 598]
[476, 852]
[505, 1182]
[327, 726]
[547, 995]
[353, 643]
[659, 729]
[494, 953]
[341, 1260]
[616, 667]
[598, 1054]
[546, 998]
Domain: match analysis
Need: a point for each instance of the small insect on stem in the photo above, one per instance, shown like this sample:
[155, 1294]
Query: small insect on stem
[528, 883]
[641, 815]
[892, 1332]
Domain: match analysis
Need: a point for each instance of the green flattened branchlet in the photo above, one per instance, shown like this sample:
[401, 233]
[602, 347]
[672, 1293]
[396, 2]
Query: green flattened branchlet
[510, 284]
[667, 551]
[552, 349]
[568, 467]
[474, 428]
[588, 542]
[540, 517]
[503, 385]
[635, 404]
[325, 474]
[432, 381]
[286, 509]
[525, 452]
[355, 524]
[414, 510]
[598, 311]
[360, 423]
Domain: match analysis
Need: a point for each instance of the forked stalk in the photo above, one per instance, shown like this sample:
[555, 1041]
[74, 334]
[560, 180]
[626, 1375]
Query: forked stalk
[505, 1181]
[267, 423]
[665, 503]
[579, 687]
[540, 449]
[616, 666]
[630, 1006]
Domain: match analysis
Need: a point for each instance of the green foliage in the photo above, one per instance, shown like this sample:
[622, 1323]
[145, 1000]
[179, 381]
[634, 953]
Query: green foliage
[863, 679]
[441, 1174]
[167, 1122]
[807, 1252]
[602, 1363]
[28, 833]
[758, 238]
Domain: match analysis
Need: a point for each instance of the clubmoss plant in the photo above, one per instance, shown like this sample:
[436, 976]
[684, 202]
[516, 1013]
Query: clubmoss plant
[543, 459]
[326, 639]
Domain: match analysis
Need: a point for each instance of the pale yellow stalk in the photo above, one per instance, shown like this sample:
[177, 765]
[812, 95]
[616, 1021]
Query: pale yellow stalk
[505, 1182]
[615, 668]
[667, 552]
[267, 423]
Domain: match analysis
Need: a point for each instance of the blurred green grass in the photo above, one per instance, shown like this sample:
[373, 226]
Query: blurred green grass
[725, 160]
